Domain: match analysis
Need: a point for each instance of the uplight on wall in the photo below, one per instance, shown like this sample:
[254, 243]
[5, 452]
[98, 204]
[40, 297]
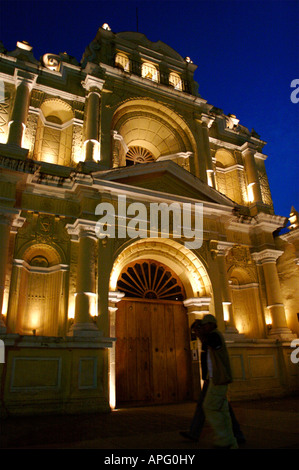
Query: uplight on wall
[210, 174]
[226, 309]
[5, 303]
[96, 154]
[268, 319]
[250, 192]
[71, 309]
[34, 320]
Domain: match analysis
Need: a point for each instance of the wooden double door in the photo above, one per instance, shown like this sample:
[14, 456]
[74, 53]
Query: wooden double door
[153, 363]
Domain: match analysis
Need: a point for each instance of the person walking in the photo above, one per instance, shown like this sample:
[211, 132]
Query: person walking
[215, 404]
[198, 419]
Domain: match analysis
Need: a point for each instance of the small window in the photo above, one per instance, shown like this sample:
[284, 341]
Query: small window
[150, 72]
[122, 61]
[176, 81]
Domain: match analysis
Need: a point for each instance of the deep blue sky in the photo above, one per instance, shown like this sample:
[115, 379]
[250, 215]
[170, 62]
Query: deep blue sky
[247, 54]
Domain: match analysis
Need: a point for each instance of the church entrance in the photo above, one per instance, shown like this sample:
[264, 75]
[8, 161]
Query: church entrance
[153, 364]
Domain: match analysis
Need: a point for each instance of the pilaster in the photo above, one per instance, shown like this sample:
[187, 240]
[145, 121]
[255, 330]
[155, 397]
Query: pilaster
[267, 258]
[9, 218]
[85, 296]
[220, 249]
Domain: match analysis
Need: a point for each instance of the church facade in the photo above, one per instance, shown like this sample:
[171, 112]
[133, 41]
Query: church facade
[97, 298]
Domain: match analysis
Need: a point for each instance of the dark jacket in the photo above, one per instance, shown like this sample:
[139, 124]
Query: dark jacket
[216, 346]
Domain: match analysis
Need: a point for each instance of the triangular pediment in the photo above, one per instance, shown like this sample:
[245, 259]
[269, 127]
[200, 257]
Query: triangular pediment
[166, 178]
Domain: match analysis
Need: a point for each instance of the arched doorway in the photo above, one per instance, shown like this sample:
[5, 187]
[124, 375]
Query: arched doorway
[153, 363]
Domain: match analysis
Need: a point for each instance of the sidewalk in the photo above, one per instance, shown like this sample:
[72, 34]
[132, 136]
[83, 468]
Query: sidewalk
[266, 424]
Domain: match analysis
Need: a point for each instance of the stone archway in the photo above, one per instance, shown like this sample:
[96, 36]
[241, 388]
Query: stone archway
[151, 328]
[154, 129]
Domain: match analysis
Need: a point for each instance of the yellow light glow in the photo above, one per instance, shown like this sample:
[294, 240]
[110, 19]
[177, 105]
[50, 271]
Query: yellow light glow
[34, 321]
[250, 192]
[210, 177]
[71, 309]
[113, 278]
[96, 149]
[112, 392]
[3, 138]
[122, 61]
[93, 305]
[150, 72]
[5, 304]
[226, 309]
[175, 81]
[49, 158]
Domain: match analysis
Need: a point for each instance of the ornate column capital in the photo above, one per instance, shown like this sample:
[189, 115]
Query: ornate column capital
[114, 297]
[266, 256]
[82, 228]
[26, 78]
[248, 147]
[93, 84]
[197, 305]
[220, 248]
[207, 120]
[11, 217]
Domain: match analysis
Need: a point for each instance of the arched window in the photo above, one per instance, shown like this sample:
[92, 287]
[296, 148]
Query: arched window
[150, 71]
[176, 81]
[150, 280]
[138, 154]
[122, 61]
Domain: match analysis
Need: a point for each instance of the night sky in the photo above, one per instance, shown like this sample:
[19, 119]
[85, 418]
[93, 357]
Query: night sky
[247, 54]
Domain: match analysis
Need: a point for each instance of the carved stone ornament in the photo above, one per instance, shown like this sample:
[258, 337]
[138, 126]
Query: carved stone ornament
[52, 62]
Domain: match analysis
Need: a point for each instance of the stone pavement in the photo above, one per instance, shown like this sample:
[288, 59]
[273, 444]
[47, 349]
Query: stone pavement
[266, 423]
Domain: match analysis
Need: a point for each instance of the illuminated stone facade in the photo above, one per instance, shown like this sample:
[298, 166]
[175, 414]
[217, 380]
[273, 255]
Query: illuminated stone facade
[128, 120]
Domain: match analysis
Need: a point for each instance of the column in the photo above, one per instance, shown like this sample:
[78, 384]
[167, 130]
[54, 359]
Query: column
[85, 297]
[267, 258]
[92, 124]
[7, 218]
[114, 298]
[207, 122]
[17, 125]
[253, 186]
[221, 250]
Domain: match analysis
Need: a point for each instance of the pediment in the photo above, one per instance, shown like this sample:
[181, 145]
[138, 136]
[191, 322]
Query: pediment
[166, 178]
